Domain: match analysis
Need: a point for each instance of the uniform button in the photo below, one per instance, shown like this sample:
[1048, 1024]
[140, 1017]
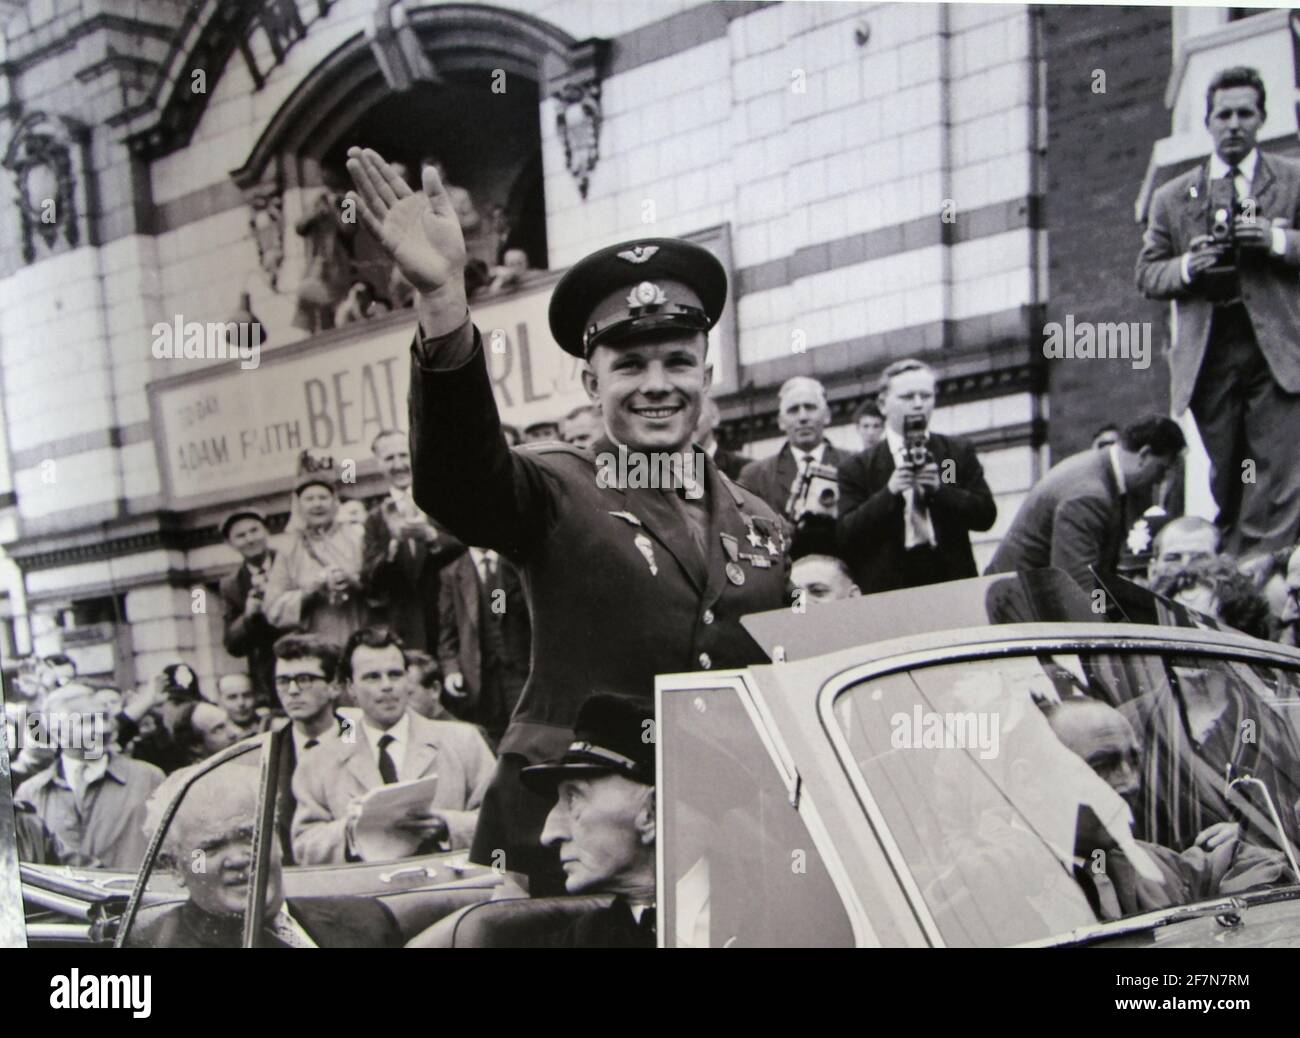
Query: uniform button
[708, 616]
[705, 662]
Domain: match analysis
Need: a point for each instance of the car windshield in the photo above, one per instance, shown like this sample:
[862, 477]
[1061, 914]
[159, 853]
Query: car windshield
[195, 886]
[1029, 796]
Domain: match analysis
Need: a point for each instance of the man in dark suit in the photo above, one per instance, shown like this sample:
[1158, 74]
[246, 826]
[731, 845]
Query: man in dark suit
[404, 552]
[603, 821]
[1073, 518]
[1236, 361]
[213, 824]
[248, 633]
[802, 414]
[905, 521]
[306, 672]
[485, 639]
[624, 581]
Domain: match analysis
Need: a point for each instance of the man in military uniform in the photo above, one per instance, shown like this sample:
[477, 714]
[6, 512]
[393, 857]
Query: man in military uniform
[624, 581]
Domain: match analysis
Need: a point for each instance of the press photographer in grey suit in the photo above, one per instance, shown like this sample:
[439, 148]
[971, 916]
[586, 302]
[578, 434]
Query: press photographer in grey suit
[1222, 243]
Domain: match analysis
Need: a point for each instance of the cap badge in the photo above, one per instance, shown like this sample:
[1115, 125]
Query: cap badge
[638, 253]
[646, 294]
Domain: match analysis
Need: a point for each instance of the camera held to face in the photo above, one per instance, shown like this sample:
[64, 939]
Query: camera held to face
[916, 441]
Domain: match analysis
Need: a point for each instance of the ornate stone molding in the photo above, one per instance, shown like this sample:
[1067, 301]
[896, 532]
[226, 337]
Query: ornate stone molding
[576, 92]
[43, 155]
[266, 220]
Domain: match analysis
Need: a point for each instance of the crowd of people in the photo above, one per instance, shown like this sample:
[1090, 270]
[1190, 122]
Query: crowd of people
[498, 617]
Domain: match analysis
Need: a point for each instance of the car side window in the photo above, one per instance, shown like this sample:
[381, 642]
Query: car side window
[1029, 796]
[195, 885]
[740, 866]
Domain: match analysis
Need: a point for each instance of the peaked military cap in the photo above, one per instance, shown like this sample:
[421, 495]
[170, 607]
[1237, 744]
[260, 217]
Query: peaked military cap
[614, 735]
[636, 286]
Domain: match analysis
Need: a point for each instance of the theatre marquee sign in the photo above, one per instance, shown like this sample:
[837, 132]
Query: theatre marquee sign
[227, 433]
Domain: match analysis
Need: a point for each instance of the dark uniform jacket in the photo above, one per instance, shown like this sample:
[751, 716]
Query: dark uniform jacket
[249, 638]
[611, 927]
[617, 590]
[404, 591]
[1073, 518]
[871, 531]
[331, 922]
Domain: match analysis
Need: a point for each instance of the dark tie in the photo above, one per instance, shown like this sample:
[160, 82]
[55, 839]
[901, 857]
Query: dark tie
[387, 769]
[310, 743]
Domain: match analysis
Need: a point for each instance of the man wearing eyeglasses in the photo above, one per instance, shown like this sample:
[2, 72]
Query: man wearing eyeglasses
[393, 745]
[305, 668]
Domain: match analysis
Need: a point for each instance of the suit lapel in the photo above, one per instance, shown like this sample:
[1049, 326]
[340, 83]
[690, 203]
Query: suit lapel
[1262, 187]
[1196, 202]
[361, 764]
[420, 754]
[786, 470]
[725, 503]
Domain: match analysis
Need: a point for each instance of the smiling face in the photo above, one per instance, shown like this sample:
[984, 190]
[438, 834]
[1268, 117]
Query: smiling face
[394, 456]
[1234, 122]
[248, 537]
[908, 393]
[379, 684]
[803, 416]
[317, 505]
[650, 389]
[603, 828]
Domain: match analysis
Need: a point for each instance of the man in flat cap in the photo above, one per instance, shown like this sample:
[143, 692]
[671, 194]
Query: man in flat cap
[603, 821]
[248, 633]
[624, 580]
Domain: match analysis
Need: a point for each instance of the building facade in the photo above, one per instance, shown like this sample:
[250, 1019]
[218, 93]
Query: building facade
[878, 179]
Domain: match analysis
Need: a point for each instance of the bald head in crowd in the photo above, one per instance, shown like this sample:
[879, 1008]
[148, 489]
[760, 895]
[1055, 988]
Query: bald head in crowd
[1183, 540]
[1102, 737]
[822, 578]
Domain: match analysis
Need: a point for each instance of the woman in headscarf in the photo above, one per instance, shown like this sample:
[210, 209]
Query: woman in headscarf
[315, 582]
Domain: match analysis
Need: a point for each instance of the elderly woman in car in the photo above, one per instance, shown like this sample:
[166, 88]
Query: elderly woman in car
[315, 582]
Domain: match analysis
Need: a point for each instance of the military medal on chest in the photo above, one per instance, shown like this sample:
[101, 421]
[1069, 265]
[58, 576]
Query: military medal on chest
[735, 572]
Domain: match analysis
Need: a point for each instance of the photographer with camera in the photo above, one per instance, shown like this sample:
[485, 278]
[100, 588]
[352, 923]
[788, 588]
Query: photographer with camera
[1221, 243]
[908, 504]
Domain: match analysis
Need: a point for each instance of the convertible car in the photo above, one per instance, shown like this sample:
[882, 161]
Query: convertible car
[987, 762]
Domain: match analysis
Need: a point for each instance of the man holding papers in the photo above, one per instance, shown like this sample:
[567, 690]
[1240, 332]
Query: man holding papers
[343, 814]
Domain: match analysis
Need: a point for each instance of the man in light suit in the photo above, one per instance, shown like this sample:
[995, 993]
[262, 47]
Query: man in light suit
[1073, 518]
[904, 524]
[802, 414]
[393, 745]
[1236, 358]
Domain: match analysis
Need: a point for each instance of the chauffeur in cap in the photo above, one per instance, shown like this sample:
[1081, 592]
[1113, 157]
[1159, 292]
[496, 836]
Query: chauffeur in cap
[624, 581]
[603, 821]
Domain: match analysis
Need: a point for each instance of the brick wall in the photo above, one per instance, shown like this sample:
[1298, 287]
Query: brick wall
[1098, 147]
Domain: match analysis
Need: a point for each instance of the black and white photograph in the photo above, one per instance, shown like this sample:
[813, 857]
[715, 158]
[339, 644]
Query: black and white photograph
[564, 474]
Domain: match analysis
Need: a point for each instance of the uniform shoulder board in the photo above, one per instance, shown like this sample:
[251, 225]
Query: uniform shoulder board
[558, 447]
